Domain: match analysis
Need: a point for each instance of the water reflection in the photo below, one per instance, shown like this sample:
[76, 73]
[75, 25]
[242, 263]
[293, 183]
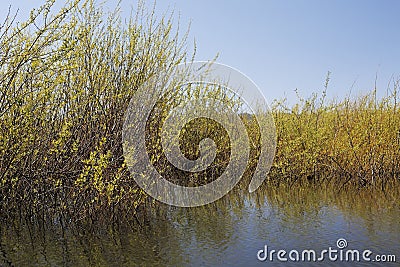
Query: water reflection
[228, 232]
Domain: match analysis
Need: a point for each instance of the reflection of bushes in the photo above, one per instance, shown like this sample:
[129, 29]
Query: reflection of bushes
[298, 200]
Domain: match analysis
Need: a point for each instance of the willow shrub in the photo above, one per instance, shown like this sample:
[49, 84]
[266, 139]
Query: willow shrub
[66, 79]
[351, 143]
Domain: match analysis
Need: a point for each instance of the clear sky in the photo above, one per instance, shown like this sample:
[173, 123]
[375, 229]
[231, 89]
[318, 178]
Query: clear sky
[282, 45]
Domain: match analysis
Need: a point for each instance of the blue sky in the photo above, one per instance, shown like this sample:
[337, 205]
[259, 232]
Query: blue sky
[282, 45]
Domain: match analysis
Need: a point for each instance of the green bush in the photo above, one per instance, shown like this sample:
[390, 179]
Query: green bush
[353, 142]
[66, 79]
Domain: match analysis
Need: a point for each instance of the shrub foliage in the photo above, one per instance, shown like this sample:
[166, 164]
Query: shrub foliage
[66, 79]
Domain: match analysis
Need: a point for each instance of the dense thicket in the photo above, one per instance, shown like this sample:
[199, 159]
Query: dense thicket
[66, 80]
[354, 141]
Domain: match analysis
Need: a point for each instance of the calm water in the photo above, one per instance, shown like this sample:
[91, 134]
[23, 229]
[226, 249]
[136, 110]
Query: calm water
[229, 232]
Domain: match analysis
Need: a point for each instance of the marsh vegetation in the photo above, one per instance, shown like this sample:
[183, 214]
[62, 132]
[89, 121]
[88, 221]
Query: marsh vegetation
[66, 79]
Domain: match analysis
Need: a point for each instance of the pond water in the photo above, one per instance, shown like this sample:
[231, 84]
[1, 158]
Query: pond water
[229, 232]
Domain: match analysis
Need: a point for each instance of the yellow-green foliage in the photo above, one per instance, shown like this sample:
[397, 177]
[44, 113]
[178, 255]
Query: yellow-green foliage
[66, 79]
[351, 142]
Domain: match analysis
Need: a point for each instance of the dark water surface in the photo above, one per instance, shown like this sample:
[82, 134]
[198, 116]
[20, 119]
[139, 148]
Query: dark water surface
[229, 232]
